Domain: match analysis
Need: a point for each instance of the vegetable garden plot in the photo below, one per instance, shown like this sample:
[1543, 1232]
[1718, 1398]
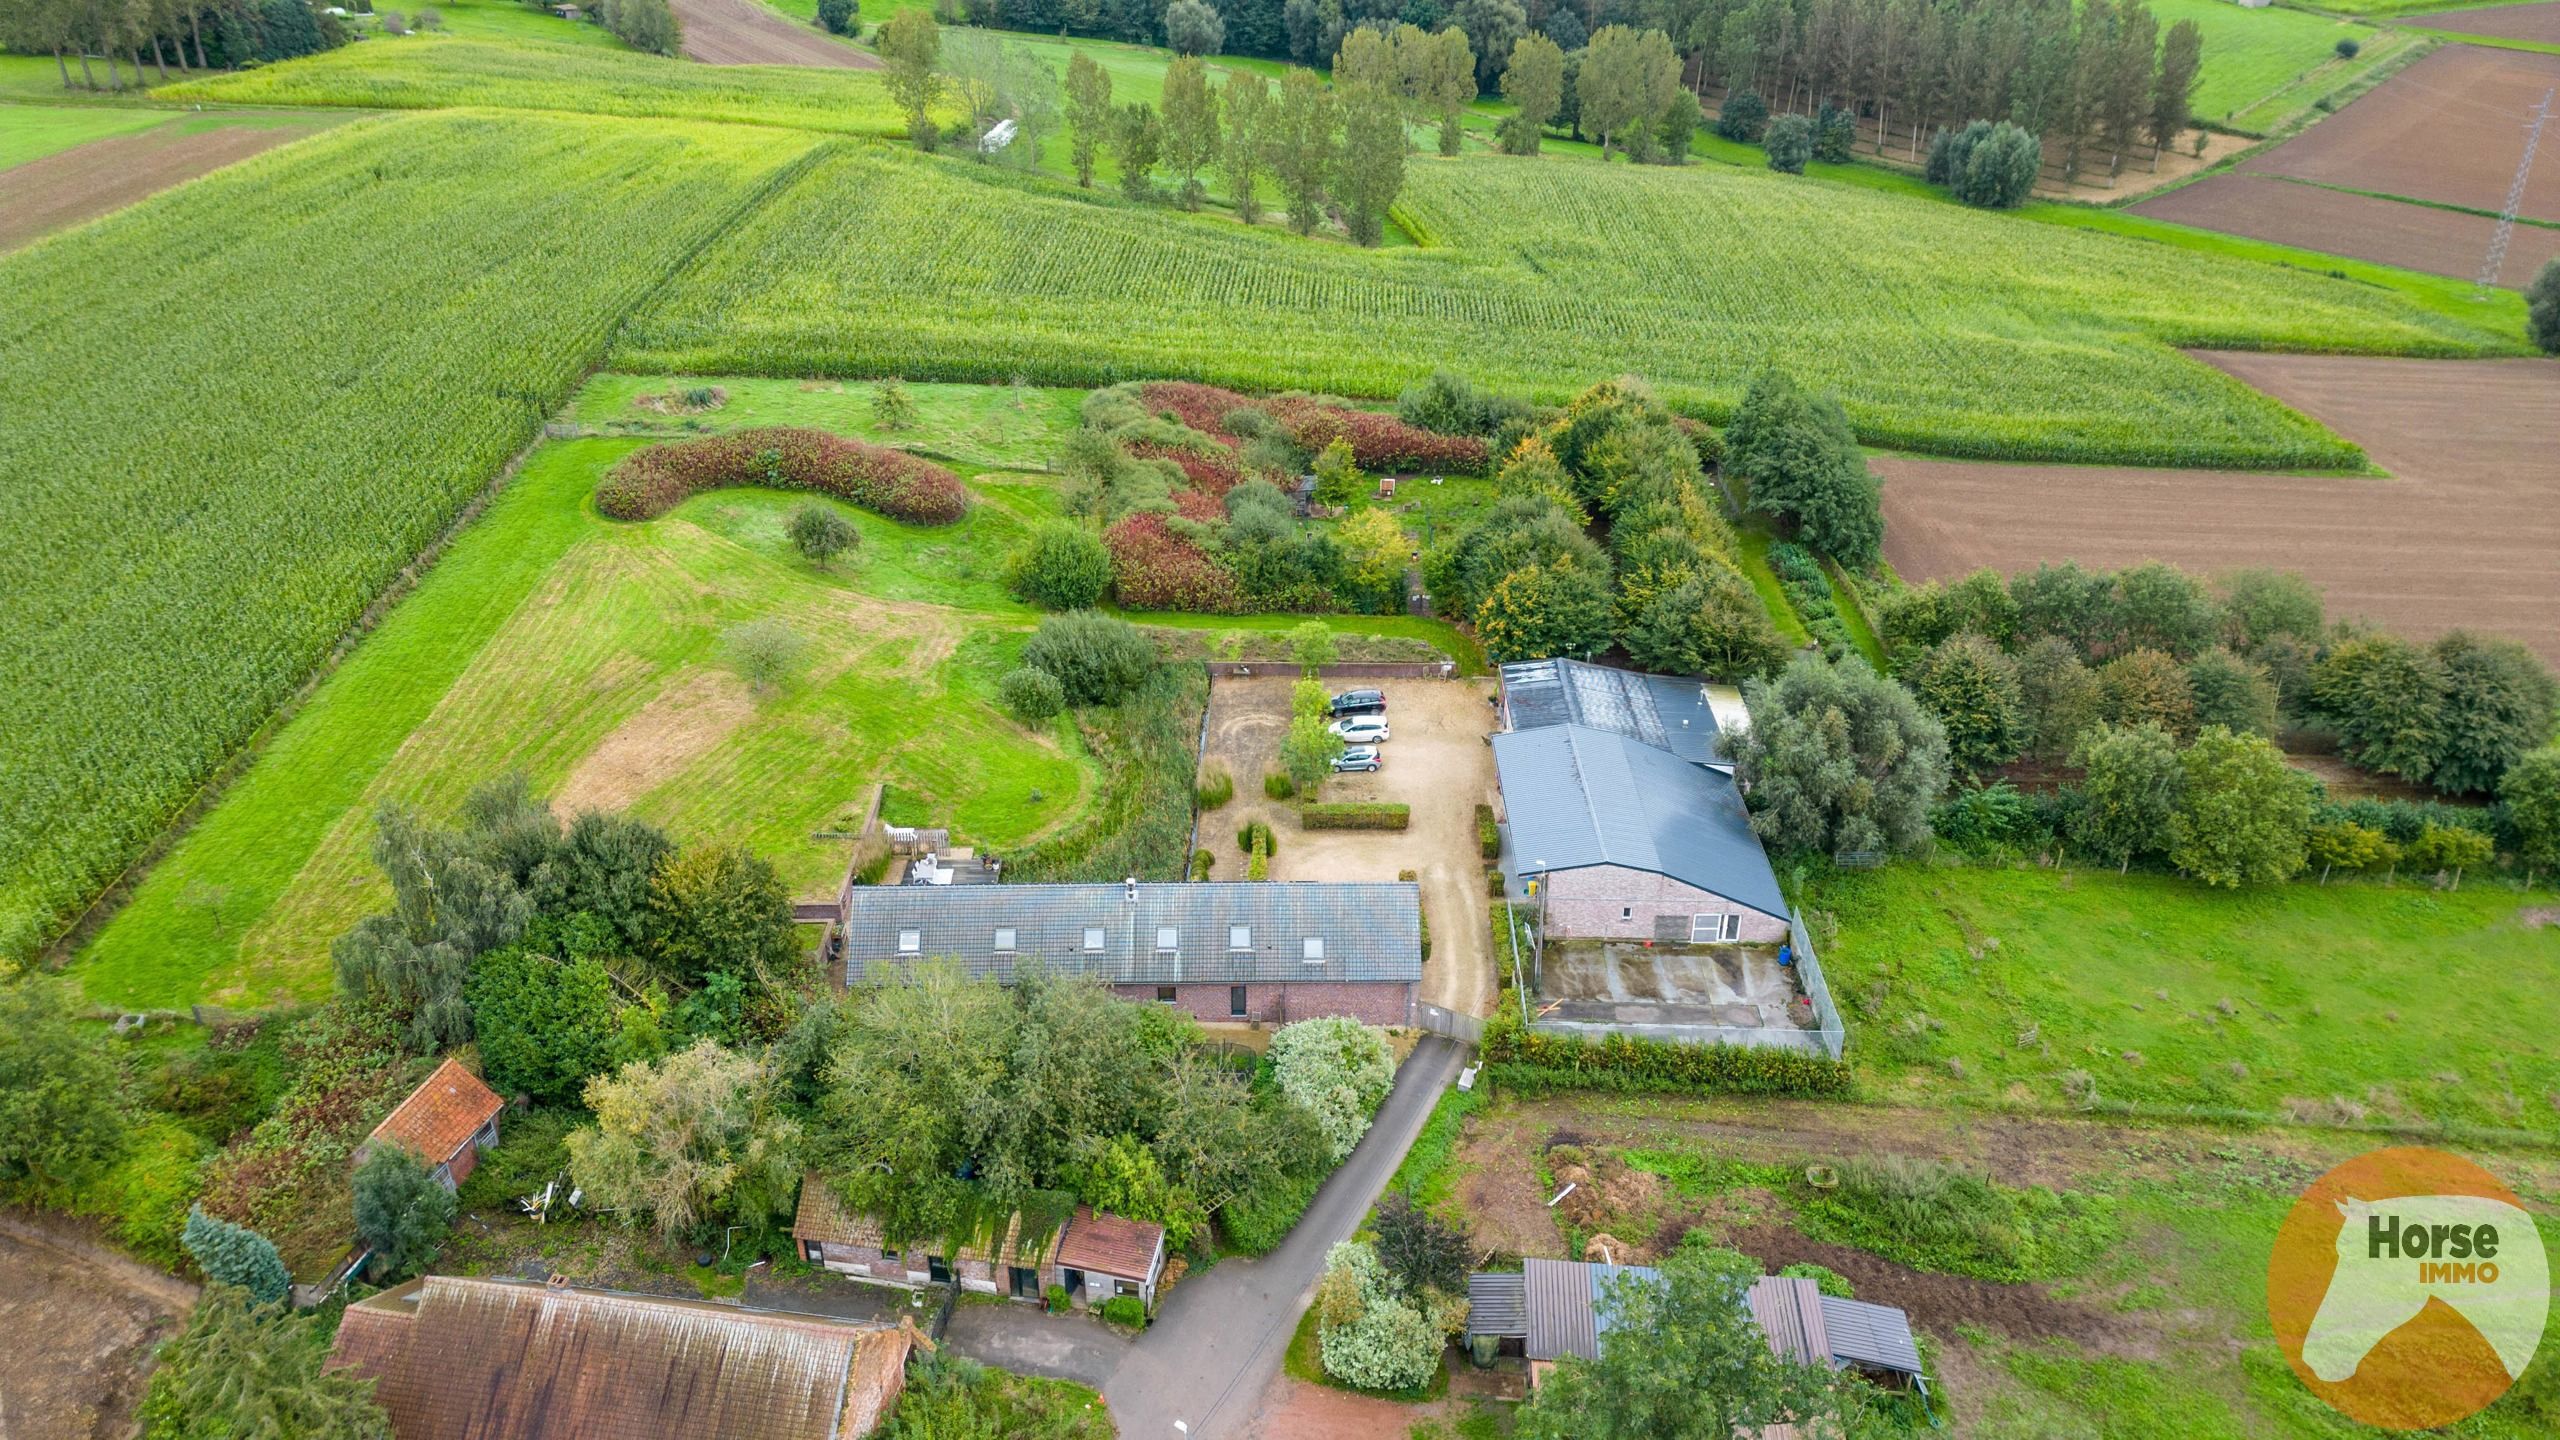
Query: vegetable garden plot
[1942, 329]
[237, 410]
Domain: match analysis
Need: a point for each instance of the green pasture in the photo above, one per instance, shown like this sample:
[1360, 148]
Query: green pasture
[31, 132]
[2343, 1003]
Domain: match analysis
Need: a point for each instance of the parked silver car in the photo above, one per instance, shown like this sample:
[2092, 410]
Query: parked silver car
[1363, 757]
[1360, 729]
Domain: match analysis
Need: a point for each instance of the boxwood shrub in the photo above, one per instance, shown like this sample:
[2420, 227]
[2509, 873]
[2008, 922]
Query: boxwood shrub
[1534, 1063]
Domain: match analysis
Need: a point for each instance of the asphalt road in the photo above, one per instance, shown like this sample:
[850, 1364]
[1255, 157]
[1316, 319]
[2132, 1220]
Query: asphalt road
[1218, 1340]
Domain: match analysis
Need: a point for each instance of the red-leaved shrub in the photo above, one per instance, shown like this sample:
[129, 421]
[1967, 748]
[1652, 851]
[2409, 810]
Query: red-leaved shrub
[1199, 505]
[1216, 476]
[1202, 407]
[648, 483]
[1152, 568]
[1378, 442]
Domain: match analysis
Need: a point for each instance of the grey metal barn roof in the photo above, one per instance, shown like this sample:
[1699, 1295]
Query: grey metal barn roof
[1878, 1336]
[1369, 931]
[1579, 797]
[1668, 712]
[1563, 1299]
[1497, 1304]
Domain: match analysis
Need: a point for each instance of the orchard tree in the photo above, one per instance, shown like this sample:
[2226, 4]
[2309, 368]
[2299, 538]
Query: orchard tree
[1089, 113]
[1031, 693]
[2243, 815]
[402, 1211]
[2132, 781]
[1838, 758]
[61, 1116]
[820, 534]
[1973, 689]
[1534, 84]
[765, 652]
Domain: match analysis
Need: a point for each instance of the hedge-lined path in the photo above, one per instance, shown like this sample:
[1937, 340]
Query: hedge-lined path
[1216, 1343]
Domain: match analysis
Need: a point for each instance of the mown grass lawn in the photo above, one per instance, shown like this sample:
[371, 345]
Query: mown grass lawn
[31, 132]
[994, 426]
[2351, 1003]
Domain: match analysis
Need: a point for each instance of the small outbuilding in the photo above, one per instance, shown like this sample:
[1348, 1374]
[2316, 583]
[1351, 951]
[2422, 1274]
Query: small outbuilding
[445, 1122]
[1094, 1256]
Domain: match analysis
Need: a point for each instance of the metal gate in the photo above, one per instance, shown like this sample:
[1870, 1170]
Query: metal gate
[1457, 1026]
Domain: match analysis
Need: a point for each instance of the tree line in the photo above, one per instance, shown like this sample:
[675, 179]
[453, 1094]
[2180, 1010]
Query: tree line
[157, 34]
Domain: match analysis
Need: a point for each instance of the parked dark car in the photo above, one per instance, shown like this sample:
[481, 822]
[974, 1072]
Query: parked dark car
[1359, 702]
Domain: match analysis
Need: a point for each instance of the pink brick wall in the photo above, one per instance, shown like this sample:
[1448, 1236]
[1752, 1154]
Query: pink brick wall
[1612, 902]
[1369, 1002]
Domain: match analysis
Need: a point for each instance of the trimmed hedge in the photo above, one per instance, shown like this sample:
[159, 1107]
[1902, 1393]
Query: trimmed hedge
[648, 483]
[1354, 815]
[1534, 1063]
[1488, 834]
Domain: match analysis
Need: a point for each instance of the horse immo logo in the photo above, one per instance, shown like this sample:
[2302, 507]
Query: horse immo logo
[2408, 1288]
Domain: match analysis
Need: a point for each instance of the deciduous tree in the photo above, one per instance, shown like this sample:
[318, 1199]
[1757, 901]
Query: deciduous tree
[545, 1024]
[820, 534]
[61, 1116]
[1972, 687]
[2385, 698]
[2243, 815]
[1534, 84]
[2531, 791]
[1089, 113]
[1137, 142]
[1246, 101]
[1838, 758]
[402, 1212]
[447, 907]
[2499, 702]
[2129, 793]
[721, 909]
[911, 43]
[690, 1140]
[1190, 124]
[1303, 142]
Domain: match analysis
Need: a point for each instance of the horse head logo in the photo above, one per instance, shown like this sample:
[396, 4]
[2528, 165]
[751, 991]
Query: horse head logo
[2480, 1256]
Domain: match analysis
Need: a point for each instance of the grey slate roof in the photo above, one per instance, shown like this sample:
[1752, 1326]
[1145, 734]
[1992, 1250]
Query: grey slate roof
[1579, 797]
[1497, 1304]
[1370, 931]
[1668, 712]
[1878, 1336]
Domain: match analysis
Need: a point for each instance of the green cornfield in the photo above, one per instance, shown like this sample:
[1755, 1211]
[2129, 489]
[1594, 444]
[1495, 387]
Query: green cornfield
[430, 74]
[1942, 329]
[237, 410]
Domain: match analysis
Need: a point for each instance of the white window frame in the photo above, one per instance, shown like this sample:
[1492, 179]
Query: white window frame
[1006, 935]
[1239, 937]
[910, 942]
[1168, 940]
[1311, 949]
[1093, 939]
[1716, 929]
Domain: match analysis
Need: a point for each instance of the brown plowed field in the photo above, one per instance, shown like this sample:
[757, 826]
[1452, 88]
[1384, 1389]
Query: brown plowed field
[2449, 128]
[742, 32]
[2465, 534]
[2388, 232]
[2507, 22]
[87, 181]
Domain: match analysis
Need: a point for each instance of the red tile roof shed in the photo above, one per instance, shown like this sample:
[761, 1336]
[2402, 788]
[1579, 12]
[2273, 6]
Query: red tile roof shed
[440, 1116]
[1111, 1244]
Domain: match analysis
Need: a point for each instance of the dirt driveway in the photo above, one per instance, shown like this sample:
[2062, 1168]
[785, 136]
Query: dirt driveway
[1438, 763]
[82, 1322]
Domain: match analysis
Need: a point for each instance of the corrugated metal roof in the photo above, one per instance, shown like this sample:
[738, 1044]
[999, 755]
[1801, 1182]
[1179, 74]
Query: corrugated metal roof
[1872, 1335]
[1789, 1310]
[1668, 712]
[499, 1360]
[441, 1115]
[1558, 1298]
[1497, 1304]
[1578, 797]
[1364, 931]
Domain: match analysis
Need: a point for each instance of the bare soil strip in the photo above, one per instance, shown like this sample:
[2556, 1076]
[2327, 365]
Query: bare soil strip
[742, 32]
[2540, 21]
[82, 1321]
[87, 181]
[2449, 128]
[2465, 535]
[2366, 227]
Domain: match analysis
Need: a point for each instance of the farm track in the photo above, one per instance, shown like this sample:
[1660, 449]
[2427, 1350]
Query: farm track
[2465, 534]
[742, 32]
[2365, 227]
[87, 181]
[2449, 128]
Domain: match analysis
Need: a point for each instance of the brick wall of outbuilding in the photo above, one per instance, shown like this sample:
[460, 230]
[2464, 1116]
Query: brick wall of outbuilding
[1369, 1002]
[1586, 904]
